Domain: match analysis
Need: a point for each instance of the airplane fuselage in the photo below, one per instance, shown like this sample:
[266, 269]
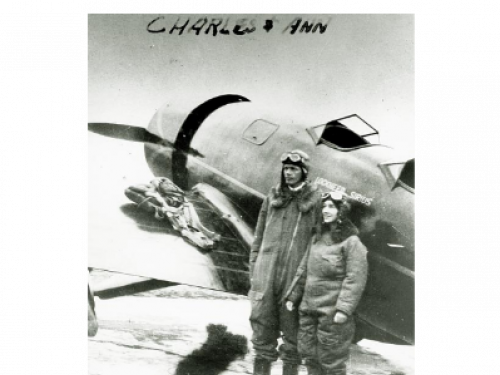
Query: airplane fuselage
[237, 150]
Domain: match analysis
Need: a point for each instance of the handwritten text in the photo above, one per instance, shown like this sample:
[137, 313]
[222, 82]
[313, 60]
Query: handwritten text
[240, 26]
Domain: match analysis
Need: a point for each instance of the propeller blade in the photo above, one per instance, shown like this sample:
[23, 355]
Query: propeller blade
[133, 134]
[126, 132]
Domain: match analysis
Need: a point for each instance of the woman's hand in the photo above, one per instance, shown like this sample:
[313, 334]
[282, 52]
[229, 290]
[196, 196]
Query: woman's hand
[289, 305]
[340, 317]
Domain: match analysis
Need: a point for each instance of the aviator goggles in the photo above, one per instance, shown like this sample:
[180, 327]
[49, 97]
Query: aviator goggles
[292, 156]
[334, 195]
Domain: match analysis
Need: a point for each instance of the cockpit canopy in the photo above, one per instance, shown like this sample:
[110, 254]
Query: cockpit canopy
[346, 133]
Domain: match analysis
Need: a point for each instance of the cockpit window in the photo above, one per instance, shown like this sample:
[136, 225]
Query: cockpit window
[342, 137]
[407, 175]
[259, 131]
[345, 133]
[400, 174]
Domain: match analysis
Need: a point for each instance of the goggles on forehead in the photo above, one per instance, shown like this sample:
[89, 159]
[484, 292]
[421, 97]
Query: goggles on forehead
[292, 156]
[334, 195]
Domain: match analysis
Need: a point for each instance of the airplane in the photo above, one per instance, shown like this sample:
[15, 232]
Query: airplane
[225, 154]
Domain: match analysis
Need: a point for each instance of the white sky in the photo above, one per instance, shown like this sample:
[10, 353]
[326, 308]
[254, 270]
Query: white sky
[361, 64]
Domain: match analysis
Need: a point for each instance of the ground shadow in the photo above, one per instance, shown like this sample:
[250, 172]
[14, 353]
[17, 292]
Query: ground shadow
[216, 354]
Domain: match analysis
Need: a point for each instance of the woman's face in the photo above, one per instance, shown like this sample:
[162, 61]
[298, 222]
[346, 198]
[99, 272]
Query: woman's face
[329, 212]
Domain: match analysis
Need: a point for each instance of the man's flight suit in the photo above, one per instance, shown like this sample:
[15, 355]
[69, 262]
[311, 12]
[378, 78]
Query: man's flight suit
[282, 235]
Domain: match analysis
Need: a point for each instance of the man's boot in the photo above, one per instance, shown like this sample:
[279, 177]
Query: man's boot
[261, 366]
[290, 369]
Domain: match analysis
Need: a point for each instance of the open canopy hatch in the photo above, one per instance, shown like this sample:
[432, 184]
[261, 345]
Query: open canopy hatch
[345, 133]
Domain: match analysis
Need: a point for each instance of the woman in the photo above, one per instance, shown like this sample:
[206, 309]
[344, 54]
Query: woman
[330, 283]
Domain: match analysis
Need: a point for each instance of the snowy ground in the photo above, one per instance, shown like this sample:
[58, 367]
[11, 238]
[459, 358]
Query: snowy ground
[149, 334]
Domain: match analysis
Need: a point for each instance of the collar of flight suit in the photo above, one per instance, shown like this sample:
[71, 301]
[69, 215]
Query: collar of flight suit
[307, 197]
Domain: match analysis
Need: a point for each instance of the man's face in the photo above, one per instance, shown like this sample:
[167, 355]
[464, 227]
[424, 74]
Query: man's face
[292, 174]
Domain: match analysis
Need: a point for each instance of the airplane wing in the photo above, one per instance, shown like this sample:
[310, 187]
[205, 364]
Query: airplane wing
[125, 239]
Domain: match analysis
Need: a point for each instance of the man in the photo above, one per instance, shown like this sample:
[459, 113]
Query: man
[282, 236]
